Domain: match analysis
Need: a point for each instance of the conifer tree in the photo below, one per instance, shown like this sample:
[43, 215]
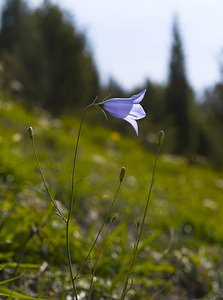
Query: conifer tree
[178, 95]
[14, 13]
[43, 50]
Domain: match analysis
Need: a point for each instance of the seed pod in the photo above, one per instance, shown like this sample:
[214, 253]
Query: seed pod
[30, 132]
[122, 174]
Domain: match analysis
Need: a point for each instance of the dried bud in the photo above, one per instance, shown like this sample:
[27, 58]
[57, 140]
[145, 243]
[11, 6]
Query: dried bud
[160, 138]
[114, 217]
[137, 224]
[30, 132]
[122, 174]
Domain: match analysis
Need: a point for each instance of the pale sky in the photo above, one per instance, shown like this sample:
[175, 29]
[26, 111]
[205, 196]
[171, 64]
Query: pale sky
[131, 39]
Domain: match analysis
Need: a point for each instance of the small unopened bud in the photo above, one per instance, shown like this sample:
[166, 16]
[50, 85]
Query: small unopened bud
[30, 132]
[160, 138]
[122, 174]
[114, 217]
[137, 224]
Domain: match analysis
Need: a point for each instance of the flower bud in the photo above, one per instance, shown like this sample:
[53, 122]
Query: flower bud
[122, 174]
[30, 132]
[160, 138]
[137, 224]
[113, 218]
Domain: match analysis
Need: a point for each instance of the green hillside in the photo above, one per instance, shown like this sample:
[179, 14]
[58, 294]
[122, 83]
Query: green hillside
[180, 252]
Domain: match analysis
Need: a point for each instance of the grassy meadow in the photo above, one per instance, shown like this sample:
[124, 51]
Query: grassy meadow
[180, 254]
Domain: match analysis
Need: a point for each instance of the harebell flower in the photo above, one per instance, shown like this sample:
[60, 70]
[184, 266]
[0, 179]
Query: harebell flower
[128, 109]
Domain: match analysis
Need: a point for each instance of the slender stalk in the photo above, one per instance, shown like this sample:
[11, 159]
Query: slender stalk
[69, 260]
[71, 205]
[95, 265]
[139, 233]
[43, 178]
[122, 172]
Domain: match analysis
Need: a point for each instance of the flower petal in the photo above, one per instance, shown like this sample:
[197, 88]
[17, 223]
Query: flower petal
[128, 109]
[133, 123]
[138, 97]
[137, 112]
[117, 107]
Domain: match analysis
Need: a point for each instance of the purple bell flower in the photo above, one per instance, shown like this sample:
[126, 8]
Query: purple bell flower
[127, 109]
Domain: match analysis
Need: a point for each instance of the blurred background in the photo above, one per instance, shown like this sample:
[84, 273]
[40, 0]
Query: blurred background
[61, 55]
[56, 57]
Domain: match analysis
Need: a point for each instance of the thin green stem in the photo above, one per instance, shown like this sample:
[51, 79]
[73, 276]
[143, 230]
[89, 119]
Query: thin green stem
[72, 203]
[139, 233]
[95, 264]
[45, 183]
[100, 230]
[74, 163]
[70, 260]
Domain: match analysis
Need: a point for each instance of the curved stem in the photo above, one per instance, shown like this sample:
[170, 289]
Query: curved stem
[72, 202]
[99, 231]
[44, 182]
[95, 264]
[70, 260]
[139, 234]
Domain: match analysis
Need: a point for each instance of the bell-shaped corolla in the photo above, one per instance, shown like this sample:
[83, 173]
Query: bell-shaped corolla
[128, 109]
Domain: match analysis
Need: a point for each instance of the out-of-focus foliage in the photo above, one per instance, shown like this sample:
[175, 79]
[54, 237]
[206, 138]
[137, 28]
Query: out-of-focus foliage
[46, 61]
[180, 251]
[45, 58]
[179, 97]
[212, 109]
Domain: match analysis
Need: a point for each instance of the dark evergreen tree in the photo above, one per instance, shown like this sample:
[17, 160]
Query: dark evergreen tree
[212, 108]
[72, 76]
[48, 56]
[13, 18]
[154, 102]
[178, 96]
[213, 105]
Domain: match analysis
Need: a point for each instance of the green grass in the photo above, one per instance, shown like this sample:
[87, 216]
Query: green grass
[181, 249]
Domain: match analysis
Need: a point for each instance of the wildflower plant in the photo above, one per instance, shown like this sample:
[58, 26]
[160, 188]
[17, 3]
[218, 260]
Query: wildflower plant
[130, 110]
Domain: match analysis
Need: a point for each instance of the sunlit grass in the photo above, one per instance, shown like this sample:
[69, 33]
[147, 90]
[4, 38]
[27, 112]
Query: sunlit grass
[183, 235]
